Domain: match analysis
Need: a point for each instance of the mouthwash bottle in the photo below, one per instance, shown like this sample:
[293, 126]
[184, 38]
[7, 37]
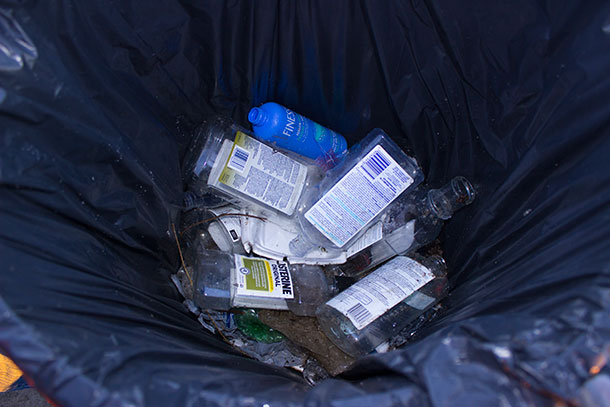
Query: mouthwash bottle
[224, 281]
[353, 197]
[409, 223]
[286, 129]
[225, 161]
[380, 305]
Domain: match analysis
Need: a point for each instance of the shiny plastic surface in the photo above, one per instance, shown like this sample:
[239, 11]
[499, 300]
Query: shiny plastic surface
[289, 130]
[359, 341]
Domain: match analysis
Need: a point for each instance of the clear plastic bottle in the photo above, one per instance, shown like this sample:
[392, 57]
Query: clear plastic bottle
[380, 305]
[354, 195]
[312, 288]
[410, 223]
[225, 161]
[224, 281]
[193, 236]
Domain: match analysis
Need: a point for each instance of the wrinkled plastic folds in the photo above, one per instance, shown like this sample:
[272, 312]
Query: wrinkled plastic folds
[16, 48]
[513, 96]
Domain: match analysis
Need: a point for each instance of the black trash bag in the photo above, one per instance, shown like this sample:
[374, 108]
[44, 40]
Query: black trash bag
[98, 102]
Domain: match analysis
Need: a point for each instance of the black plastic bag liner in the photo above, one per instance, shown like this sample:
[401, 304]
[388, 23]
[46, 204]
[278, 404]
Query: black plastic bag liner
[98, 102]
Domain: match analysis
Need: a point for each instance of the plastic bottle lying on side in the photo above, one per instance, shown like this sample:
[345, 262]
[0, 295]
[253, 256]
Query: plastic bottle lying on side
[410, 223]
[353, 196]
[224, 160]
[286, 129]
[224, 281]
[383, 303]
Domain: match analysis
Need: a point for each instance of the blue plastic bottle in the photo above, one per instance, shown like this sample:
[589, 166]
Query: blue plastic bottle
[291, 131]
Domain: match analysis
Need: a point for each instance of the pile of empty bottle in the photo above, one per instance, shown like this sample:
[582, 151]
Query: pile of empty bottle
[275, 217]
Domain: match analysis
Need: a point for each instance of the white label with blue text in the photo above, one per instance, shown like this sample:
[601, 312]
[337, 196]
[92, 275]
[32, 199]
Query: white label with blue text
[365, 191]
[381, 290]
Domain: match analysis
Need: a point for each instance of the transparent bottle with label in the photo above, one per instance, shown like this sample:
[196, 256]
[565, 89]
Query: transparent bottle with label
[354, 195]
[410, 223]
[225, 161]
[380, 305]
[224, 281]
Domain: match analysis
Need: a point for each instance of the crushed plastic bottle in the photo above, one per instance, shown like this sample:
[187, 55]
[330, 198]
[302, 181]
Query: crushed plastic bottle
[224, 160]
[288, 130]
[268, 234]
[350, 199]
[193, 234]
[409, 223]
[380, 305]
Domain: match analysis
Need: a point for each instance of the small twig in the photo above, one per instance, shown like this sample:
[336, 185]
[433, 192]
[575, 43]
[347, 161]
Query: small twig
[218, 216]
[181, 257]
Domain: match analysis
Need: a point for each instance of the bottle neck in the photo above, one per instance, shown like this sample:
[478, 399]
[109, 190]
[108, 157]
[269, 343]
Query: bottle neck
[443, 202]
[257, 116]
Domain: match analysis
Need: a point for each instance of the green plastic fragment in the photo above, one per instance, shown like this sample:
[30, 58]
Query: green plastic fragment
[248, 323]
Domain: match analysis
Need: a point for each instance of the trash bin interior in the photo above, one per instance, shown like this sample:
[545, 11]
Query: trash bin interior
[98, 103]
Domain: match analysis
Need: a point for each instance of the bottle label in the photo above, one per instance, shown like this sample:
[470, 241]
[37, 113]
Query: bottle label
[381, 290]
[262, 278]
[330, 142]
[372, 235]
[296, 127]
[260, 172]
[359, 196]
[312, 140]
[419, 301]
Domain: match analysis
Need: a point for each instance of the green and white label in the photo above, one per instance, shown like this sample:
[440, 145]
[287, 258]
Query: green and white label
[260, 172]
[262, 278]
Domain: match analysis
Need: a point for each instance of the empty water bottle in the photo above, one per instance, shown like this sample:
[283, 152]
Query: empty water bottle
[352, 198]
[383, 303]
[409, 223]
